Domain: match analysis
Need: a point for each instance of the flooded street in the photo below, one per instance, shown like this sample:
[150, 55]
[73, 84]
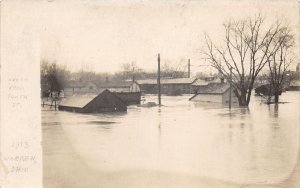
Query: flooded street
[181, 144]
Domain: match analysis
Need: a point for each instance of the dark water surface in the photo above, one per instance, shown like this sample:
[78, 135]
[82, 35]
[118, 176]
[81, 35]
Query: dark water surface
[181, 144]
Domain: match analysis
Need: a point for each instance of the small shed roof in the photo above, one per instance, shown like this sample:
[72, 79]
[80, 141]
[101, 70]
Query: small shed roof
[167, 81]
[214, 88]
[79, 100]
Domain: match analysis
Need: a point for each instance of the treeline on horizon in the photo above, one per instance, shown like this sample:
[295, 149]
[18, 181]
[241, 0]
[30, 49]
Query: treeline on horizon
[55, 77]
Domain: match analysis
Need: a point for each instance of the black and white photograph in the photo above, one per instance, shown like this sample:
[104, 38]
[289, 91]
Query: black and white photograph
[150, 94]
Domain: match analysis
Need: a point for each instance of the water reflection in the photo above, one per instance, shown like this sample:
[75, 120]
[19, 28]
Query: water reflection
[276, 107]
[273, 109]
[159, 126]
[255, 145]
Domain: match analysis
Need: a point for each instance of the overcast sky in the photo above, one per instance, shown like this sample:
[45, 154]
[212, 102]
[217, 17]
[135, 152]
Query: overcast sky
[102, 35]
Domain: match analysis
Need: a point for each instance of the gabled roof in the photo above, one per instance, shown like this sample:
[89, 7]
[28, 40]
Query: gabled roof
[214, 88]
[167, 81]
[78, 100]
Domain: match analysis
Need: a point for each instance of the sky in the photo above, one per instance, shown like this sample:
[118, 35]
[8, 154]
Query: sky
[103, 35]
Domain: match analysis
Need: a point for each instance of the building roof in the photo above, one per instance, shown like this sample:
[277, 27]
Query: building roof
[78, 100]
[167, 81]
[199, 82]
[214, 88]
[118, 89]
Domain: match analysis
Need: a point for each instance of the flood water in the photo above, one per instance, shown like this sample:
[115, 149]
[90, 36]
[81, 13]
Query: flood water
[180, 144]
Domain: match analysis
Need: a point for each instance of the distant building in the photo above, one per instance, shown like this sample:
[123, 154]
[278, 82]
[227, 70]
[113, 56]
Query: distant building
[77, 87]
[121, 86]
[129, 98]
[170, 86]
[294, 85]
[266, 90]
[215, 93]
[106, 101]
[129, 92]
[209, 78]
[198, 83]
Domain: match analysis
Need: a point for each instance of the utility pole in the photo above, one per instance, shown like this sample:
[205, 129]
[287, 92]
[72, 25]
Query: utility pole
[230, 88]
[158, 81]
[189, 69]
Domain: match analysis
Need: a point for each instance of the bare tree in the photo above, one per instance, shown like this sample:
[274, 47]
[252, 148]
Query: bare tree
[173, 71]
[131, 70]
[280, 61]
[246, 50]
[53, 77]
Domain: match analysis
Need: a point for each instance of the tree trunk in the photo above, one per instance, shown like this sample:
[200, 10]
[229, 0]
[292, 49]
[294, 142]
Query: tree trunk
[276, 96]
[249, 96]
[243, 99]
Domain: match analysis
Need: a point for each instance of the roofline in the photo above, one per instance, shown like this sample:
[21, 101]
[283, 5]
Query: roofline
[110, 93]
[193, 80]
[163, 83]
[94, 98]
[212, 93]
[215, 93]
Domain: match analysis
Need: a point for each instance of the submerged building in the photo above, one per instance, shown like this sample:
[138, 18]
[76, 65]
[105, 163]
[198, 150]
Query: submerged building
[122, 86]
[106, 101]
[216, 93]
[128, 92]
